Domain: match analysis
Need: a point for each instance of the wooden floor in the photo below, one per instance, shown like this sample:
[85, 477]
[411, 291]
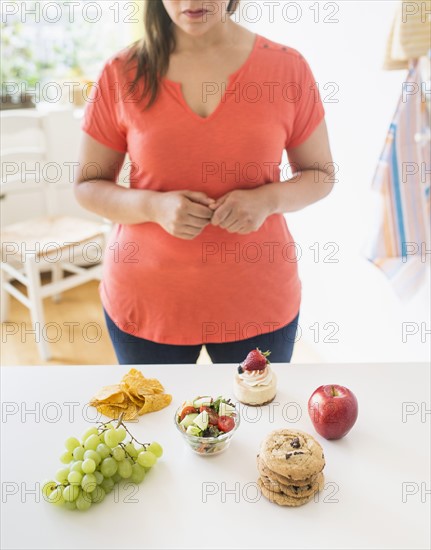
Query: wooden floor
[76, 328]
[77, 323]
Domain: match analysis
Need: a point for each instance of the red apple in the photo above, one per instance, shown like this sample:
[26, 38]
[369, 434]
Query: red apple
[333, 409]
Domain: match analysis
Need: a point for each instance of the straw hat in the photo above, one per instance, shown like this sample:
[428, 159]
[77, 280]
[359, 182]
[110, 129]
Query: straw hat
[410, 34]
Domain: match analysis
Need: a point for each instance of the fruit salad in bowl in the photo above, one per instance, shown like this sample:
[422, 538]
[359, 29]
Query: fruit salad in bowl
[207, 424]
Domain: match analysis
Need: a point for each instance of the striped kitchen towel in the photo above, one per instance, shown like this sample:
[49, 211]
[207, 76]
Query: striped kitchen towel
[401, 242]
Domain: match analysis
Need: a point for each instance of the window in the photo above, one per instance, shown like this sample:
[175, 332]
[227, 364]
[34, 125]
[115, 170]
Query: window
[54, 41]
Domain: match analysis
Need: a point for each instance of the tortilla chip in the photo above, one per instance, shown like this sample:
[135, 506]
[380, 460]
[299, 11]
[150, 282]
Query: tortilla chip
[137, 384]
[111, 411]
[133, 377]
[133, 398]
[121, 406]
[134, 395]
[131, 412]
[155, 403]
[111, 394]
[152, 384]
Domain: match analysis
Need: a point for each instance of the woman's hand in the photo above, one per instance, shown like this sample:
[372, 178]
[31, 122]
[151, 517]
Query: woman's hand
[242, 211]
[183, 214]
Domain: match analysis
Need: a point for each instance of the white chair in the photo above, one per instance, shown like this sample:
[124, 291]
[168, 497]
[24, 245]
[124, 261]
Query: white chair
[49, 241]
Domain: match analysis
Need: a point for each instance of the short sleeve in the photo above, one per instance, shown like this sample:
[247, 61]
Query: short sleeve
[102, 119]
[309, 110]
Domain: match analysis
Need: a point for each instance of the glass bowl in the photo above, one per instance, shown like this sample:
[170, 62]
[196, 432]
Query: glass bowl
[207, 446]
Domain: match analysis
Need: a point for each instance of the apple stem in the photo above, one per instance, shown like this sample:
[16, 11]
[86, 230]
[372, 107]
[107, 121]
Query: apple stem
[334, 391]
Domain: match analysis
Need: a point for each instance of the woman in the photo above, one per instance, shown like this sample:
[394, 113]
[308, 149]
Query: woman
[201, 253]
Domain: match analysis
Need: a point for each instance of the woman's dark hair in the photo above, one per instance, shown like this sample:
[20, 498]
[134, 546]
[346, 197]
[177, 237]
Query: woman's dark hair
[151, 53]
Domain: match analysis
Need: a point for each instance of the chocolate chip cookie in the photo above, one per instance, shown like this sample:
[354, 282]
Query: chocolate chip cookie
[281, 498]
[292, 454]
[264, 471]
[294, 491]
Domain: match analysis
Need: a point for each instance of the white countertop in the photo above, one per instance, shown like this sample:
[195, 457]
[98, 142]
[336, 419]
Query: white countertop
[189, 501]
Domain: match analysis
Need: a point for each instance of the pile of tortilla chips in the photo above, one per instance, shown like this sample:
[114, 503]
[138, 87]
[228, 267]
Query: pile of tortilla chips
[134, 395]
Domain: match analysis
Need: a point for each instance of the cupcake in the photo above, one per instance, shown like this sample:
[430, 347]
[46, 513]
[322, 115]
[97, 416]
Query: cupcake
[255, 382]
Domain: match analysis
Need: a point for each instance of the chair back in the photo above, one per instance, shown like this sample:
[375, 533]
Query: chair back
[24, 164]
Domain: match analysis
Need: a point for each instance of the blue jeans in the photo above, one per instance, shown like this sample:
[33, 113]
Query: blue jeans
[131, 350]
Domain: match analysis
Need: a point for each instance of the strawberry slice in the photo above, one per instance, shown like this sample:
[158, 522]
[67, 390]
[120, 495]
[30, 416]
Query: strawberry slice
[255, 360]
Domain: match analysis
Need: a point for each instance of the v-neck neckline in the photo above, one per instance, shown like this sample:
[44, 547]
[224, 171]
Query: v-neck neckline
[230, 79]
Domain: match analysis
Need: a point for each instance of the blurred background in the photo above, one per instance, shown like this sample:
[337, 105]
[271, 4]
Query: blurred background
[364, 299]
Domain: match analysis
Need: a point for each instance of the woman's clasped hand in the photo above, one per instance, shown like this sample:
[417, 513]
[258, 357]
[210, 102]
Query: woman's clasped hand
[185, 214]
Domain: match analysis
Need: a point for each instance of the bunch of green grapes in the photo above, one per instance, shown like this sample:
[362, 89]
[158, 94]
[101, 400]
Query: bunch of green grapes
[95, 464]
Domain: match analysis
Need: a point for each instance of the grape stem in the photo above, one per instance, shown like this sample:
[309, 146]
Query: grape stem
[132, 437]
[120, 422]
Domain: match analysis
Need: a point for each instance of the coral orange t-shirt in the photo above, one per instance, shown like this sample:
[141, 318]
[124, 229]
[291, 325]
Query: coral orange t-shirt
[218, 287]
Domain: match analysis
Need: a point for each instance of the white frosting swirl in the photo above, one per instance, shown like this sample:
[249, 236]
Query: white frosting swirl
[256, 377]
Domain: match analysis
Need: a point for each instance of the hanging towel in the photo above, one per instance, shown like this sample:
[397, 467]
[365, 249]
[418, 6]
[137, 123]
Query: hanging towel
[410, 36]
[401, 241]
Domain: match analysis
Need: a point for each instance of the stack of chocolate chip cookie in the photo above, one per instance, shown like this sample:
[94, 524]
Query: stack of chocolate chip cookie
[290, 465]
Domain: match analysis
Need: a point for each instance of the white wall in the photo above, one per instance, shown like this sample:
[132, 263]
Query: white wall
[352, 293]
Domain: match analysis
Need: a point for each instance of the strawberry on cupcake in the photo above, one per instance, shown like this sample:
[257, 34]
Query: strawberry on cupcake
[255, 383]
